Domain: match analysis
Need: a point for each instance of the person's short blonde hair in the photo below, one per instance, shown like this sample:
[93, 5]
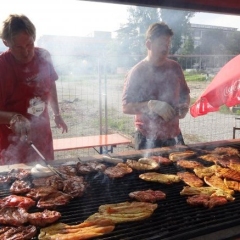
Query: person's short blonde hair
[15, 24]
[156, 30]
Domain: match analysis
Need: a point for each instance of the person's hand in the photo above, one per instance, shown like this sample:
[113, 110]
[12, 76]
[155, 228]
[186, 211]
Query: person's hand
[163, 109]
[182, 110]
[20, 125]
[60, 123]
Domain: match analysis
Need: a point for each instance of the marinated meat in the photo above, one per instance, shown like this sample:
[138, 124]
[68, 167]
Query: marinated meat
[217, 182]
[161, 160]
[143, 164]
[210, 157]
[42, 219]
[234, 165]
[227, 173]
[206, 201]
[188, 164]
[148, 195]
[118, 171]
[201, 172]
[55, 182]
[39, 182]
[54, 199]
[17, 201]
[19, 173]
[5, 179]
[235, 185]
[124, 211]
[159, 177]
[88, 167]
[181, 155]
[18, 233]
[67, 170]
[20, 187]
[39, 192]
[225, 151]
[85, 230]
[13, 216]
[190, 179]
[74, 186]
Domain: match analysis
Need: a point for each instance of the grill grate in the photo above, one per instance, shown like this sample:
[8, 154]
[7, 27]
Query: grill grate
[173, 219]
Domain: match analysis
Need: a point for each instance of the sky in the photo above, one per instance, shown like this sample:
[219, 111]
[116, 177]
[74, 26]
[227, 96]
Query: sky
[79, 18]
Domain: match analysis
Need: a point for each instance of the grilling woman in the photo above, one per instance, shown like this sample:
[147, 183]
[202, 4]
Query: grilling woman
[27, 87]
[155, 91]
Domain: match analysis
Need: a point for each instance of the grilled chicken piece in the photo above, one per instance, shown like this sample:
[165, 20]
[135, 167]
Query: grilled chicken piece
[217, 182]
[188, 164]
[161, 160]
[190, 179]
[85, 230]
[17, 201]
[39, 182]
[118, 171]
[206, 191]
[67, 170]
[234, 165]
[210, 157]
[159, 177]
[55, 181]
[13, 216]
[42, 219]
[125, 211]
[206, 201]
[20, 187]
[235, 185]
[19, 173]
[143, 164]
[18, 233]
[53, 200]
[201, 172]
[148, 195]
[230, 151]
[181, 155]
[227, 173]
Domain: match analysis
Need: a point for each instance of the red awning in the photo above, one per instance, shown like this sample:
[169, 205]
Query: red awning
[224, 89]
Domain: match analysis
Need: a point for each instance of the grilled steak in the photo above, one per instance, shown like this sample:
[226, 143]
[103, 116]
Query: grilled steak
[161, 178]
[39, 192]
[55, 181]
[206, 201]
[88, 167]
[161, 160]
[148, 195]
[143, 164]
[14, 216]
[118, 171]
[20, 187]
[190, 179]
[18, 233]
[53, 200]
[74, 186]
[42, 219]
[188, 164]
[17, 201]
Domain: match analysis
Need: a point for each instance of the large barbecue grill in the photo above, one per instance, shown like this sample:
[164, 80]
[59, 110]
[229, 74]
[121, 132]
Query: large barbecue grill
[173, 219]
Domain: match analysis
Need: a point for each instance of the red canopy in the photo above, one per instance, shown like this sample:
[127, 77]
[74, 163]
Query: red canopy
[224, 89]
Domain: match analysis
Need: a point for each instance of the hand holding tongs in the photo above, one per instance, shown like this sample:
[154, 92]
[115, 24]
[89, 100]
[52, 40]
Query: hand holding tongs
[54, 170]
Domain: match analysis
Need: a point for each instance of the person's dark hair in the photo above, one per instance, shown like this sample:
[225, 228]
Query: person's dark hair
[15, 24]
[156, 30]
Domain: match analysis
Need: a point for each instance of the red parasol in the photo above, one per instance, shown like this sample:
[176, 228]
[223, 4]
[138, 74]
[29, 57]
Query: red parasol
[224, 89]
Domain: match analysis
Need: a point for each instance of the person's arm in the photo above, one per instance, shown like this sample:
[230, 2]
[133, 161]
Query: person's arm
[53, 100]
[136, 108]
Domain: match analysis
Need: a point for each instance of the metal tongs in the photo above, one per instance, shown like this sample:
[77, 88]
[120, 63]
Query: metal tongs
[54, 170]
